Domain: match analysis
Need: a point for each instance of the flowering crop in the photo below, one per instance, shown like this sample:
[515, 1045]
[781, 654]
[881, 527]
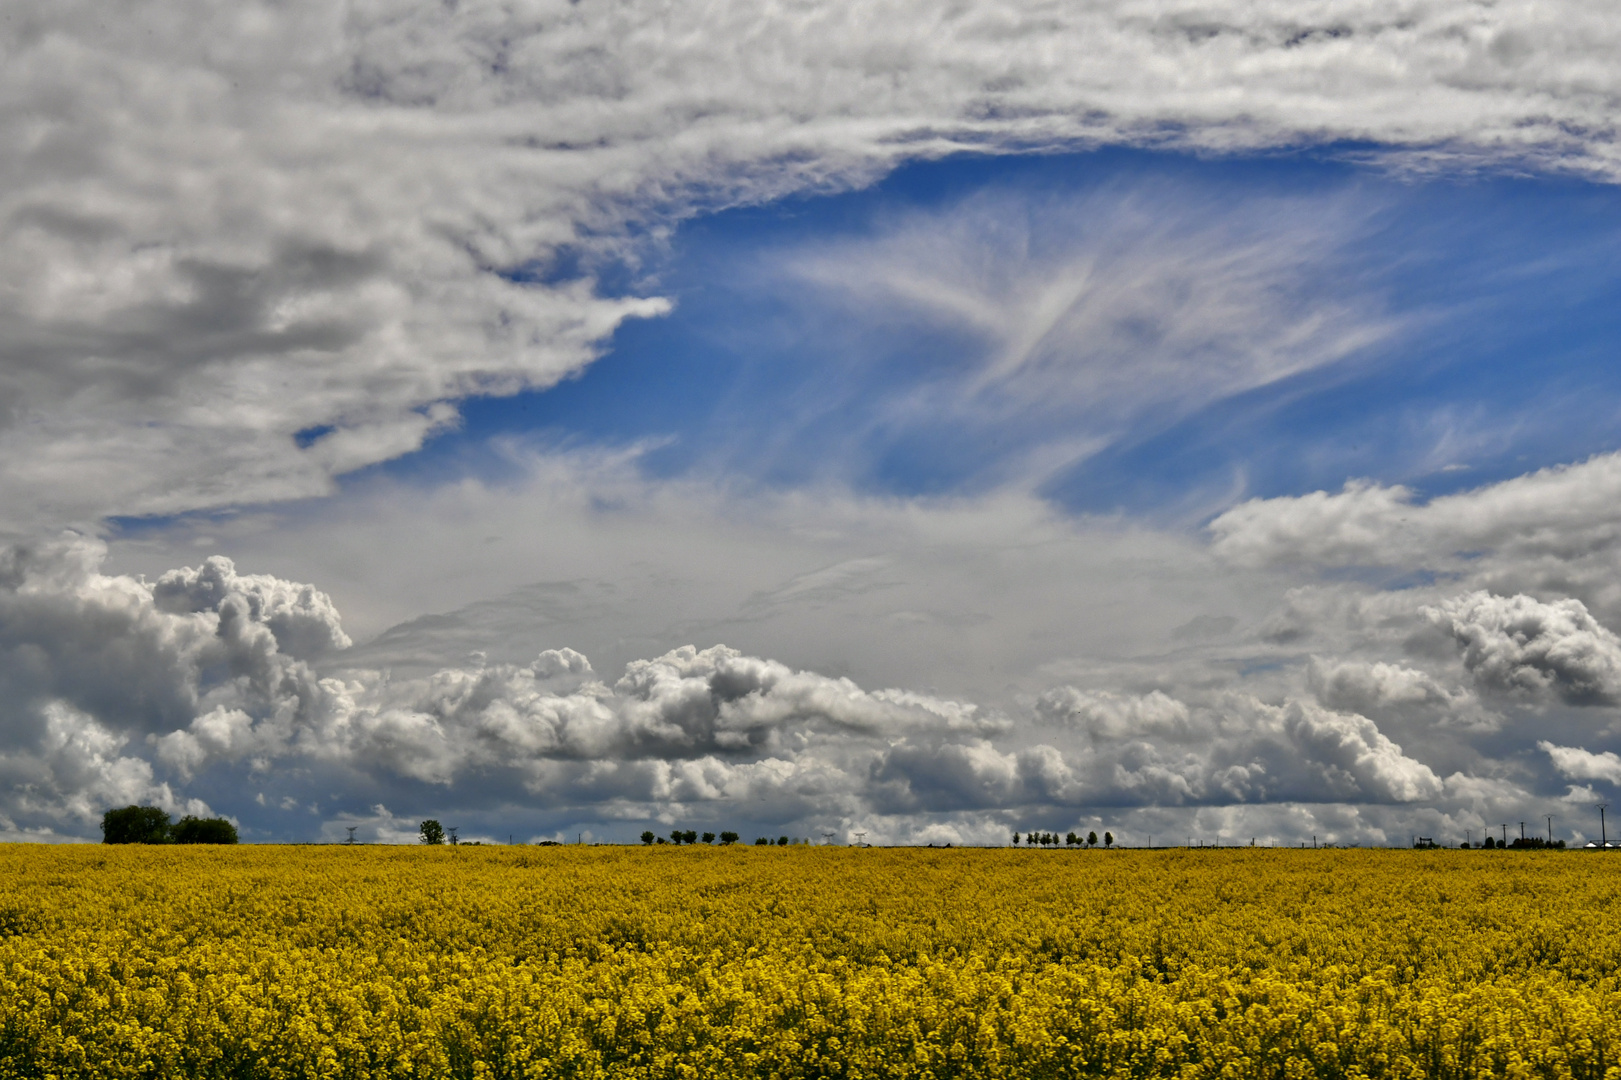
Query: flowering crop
[805, 962]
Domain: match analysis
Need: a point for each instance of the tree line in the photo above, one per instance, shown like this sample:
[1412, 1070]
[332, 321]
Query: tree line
[1047, 839]
[151, 825]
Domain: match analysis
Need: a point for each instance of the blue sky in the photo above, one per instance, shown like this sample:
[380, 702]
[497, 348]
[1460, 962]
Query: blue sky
[1499, 290]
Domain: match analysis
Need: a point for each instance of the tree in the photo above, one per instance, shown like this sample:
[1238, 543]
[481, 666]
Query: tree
[728, 837]
[648, 837]
[690, 837]
[1091, 839]
[431, 832]
[1015, 839]
[761, 841]
[1108, 839]
[1491, 842]
[782, 841]
[675, 836]
[135, 825]
[1070, 839]
[194, 830]
[709, 838]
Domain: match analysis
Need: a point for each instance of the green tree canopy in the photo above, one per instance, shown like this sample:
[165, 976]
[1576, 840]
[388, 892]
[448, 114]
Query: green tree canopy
[195, 830]
[135, 825]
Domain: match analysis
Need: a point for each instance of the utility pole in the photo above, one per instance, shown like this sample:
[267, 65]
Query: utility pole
[351, 829]
[452, 830]
[1505, 833]
[827, 836]
[1522, 830]
[1603, 837]
[860, 836]
[1550, 829]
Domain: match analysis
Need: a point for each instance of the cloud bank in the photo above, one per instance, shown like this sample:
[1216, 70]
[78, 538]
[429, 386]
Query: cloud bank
[209, 689]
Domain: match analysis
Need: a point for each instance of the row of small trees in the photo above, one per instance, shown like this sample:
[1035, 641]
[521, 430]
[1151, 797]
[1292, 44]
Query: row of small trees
[690, 836]
[1047, 839]
[150, 825]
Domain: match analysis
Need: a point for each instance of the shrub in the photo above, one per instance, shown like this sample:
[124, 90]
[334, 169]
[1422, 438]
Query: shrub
[195, 830]
[135, 825]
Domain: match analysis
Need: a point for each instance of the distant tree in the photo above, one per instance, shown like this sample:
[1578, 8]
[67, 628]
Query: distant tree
[135, 825]
[193, 830]
[1091, 839]
[761, 841]
[1070, 839]
[648, 837]
[431, 832]
[663, 841]
[690, 837]
[1015, 839]
[728, 837]
[1490, 842]
[709, 838]
[1464, 844]
[1108, 839]
[675, 836]
[782, 841]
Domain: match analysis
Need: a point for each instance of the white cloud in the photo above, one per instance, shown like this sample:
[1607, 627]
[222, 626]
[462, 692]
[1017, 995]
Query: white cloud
[1519, 644]
[1579, 764]
[690, 732]
[222, 227]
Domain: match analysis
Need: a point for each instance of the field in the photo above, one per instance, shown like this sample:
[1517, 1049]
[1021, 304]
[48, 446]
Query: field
[798, 962]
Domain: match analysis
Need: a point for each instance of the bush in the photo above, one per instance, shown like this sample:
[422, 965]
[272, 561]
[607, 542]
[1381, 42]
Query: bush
[135, 825]
[194, 830]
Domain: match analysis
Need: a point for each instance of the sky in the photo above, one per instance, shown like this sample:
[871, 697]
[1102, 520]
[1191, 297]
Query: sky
[900, 421]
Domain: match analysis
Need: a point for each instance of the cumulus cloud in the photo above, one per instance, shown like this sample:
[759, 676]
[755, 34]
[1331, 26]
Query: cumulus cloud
[246, 249]
[248, 685]
[1578, 764]
[1519, 644]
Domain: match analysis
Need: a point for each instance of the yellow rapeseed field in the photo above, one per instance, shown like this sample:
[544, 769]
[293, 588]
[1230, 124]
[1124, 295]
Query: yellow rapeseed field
[805, 962]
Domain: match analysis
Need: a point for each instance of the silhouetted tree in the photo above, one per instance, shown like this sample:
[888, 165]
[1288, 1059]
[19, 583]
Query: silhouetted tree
[431, 832]
[709, 838]
[761, 841]
[728, 838]
[782, 841]
[135, 825]
[1015, 839]
[1091, 839]
[689, 837]
[648, 837]
[193, 830]
[1108, 839]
